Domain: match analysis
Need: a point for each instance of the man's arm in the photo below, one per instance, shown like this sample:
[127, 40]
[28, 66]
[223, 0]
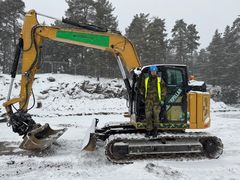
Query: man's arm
[163, 90]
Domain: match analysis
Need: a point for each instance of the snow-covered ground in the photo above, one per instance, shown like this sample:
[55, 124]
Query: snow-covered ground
[65, 160]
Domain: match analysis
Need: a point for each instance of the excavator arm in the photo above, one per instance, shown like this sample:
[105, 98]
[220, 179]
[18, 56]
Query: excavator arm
[32, 36]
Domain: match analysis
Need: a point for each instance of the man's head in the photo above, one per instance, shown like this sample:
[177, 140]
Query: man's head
[153, 70]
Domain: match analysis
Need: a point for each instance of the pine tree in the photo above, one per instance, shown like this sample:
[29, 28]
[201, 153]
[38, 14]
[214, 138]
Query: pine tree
[229, 42]
[192, 38]
[179, 43]
[216, 59]
[80, 11]
[104, 15]
[230, 82]
[104, 63]
[232, 48]
[10, 13]
[156, 41]
[201, 66]
[192, 46]
[136, 32]
[83, 60]
[72, 57]
[224, 54]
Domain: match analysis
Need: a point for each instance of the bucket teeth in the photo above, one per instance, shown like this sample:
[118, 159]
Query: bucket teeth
[41, 138]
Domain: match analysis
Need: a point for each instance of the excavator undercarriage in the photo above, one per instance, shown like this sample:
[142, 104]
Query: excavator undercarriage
[124, 143]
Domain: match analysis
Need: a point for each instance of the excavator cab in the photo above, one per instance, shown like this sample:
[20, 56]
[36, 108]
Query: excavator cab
[174, 110]
[126, 141]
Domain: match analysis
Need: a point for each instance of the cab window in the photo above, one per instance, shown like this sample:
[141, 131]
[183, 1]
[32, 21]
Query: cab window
[174, 77]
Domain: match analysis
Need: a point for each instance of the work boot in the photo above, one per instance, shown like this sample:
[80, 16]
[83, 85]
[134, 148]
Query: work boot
[155, 133]
[148, 134]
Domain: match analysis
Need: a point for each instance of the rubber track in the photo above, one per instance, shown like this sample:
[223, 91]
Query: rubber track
[128, 137]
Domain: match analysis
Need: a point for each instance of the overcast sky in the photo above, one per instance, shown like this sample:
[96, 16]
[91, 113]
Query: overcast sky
[208, 15]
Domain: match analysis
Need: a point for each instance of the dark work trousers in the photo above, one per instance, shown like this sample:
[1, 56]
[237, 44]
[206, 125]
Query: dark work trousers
[152, 111]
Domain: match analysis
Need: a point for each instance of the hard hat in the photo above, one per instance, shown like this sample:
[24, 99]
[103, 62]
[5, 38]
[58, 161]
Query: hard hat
[153, 68]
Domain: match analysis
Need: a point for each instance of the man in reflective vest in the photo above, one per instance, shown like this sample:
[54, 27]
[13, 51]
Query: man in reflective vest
[154, 91]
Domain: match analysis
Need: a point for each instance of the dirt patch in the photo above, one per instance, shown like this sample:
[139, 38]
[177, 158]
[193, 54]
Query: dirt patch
[10, 148]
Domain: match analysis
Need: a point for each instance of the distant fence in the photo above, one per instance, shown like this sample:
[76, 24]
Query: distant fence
[79, 69]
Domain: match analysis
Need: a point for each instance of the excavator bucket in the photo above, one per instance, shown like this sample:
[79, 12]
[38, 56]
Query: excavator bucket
[89, 141]
[41, 138]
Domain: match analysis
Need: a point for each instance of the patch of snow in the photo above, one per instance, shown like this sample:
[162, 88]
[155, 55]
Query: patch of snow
[195, 83]
[221, 106]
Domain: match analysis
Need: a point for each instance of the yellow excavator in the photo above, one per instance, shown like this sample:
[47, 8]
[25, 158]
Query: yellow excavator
[183, 108]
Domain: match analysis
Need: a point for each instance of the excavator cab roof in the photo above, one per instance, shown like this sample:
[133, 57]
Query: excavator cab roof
[164, 65]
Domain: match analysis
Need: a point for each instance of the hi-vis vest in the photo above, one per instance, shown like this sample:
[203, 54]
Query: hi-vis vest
[158, 87]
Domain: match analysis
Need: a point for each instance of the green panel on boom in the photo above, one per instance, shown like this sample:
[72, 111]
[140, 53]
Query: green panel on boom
[93, 39]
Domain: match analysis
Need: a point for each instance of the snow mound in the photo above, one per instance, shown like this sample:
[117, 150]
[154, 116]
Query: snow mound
[62, 94]
[220, 106]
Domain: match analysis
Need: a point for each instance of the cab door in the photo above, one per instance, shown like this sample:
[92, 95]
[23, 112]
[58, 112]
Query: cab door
[175, 108]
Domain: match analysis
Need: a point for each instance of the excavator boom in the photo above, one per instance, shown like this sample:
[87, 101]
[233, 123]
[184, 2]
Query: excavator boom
[32, 36]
